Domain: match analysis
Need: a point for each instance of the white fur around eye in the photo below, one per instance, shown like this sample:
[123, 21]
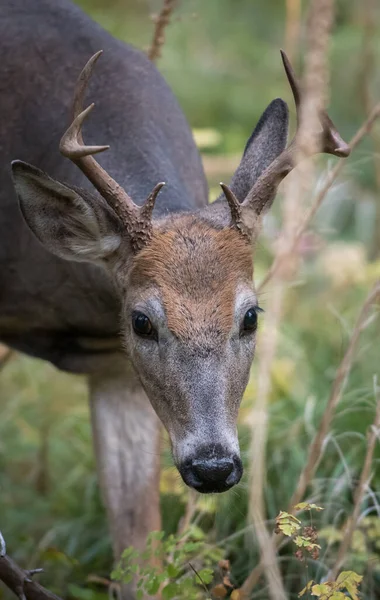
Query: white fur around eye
[245, 299]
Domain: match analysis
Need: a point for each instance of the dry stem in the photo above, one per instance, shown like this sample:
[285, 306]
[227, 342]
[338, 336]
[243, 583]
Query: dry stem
[292, 31]
[365, 475]
[259, 437]
[368, 69]
[161, 22]
[278, 260]
[313, 102]
[316, 447]
[315, 450]
[20, 581]
[191, 507]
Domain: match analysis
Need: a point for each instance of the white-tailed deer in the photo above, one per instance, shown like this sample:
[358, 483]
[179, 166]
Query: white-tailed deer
[147, 289]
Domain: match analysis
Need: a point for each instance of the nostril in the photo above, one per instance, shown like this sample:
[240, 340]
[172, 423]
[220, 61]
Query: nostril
[213, 471]
[211, 475]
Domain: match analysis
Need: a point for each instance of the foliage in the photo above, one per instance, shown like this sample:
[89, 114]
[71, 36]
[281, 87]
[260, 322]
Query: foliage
[167, 565]
[346, 586]
[305, 538]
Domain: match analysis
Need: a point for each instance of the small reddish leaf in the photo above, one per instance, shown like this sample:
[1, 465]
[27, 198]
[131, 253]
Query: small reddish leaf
[224, 564]
[219, 591]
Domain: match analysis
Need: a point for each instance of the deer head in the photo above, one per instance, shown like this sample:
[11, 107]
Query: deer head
[189, 309]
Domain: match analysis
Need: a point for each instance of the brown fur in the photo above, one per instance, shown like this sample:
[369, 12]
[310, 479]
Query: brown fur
[197, 269]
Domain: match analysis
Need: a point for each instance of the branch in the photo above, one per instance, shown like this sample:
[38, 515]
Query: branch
[362, 131]
[351, 526]
[19, 581]
[191, 507]
[315, 451]
[162, 21]
[313, 102]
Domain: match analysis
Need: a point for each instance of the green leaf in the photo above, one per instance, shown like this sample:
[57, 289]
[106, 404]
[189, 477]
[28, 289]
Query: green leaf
[206, 575]
[196, 533]
[170, 591]
[304, 542]
[172, 570]
[116, 574]
[152, 586]
[139, 594]
[192, 546]
[306, 589]
[288, 524]
[307, 506]
[350, 581]
[322, 590]
[127, 552]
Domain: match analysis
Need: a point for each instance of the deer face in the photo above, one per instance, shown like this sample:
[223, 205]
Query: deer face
[189, 308]
[189, 321]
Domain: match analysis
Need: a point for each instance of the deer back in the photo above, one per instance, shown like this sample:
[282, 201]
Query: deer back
[44, 46]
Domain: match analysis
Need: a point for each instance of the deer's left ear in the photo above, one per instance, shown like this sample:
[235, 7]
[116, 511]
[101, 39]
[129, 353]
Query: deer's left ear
[67, 221]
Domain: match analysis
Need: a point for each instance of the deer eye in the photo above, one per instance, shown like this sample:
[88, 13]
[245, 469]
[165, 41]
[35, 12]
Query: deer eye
[142, 325]
[250, 321]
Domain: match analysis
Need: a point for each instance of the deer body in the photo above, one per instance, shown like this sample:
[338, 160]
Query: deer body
[84, 274]
[44, 46]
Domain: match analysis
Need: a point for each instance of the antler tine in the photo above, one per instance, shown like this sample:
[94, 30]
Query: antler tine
[331, 142]
[82, 84]
[136, 219]
[263, 191]
[148, 206]
[71, 144]
[292, 79]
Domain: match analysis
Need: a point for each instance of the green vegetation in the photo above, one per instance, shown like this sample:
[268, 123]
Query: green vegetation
[221, 58]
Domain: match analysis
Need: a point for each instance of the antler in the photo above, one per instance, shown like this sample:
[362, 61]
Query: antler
[136, 219]
[244, 215]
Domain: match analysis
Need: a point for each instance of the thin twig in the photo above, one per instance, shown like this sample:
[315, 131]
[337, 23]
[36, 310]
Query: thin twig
[293, 26]
[363, 481]
[161, 22]
[19, 580]
[201, 580]
[332, 175]
[368, 69]
[268, 345]
[313, 102]
[191, 507]
[317, 444]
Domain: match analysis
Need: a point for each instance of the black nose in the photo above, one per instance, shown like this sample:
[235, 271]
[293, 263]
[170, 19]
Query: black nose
[210, 475]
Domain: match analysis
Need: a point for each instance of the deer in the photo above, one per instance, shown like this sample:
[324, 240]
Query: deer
[118, 267]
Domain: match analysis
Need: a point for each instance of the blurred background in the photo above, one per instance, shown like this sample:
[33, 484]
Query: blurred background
[221, 57]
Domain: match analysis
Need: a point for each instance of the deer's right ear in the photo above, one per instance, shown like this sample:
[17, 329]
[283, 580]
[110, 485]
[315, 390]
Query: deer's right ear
[65, 220]
[266, 143]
